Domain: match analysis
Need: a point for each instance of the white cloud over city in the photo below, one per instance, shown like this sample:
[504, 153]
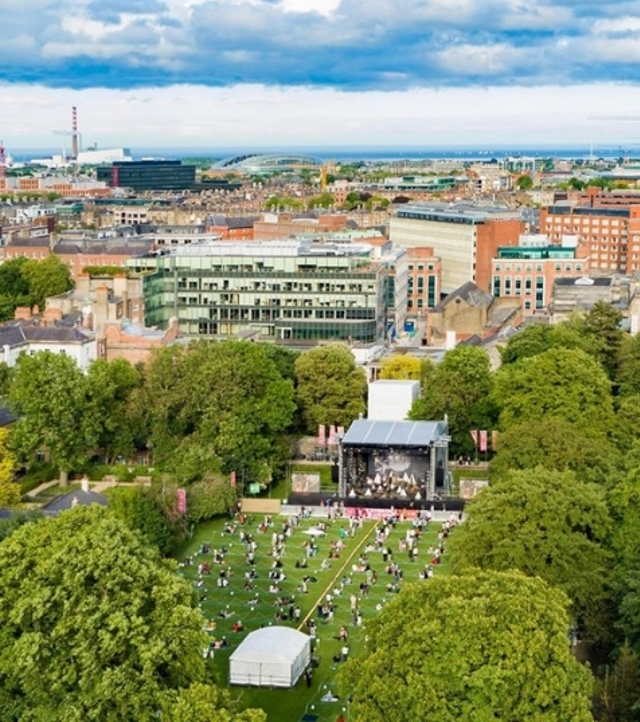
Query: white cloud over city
[326, 72]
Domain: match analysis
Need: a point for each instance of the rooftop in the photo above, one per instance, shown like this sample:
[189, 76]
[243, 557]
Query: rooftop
[366, 432]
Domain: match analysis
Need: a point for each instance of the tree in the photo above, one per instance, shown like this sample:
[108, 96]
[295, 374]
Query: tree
[331, 389]
[223, 404]
[138, 508]
[460, 387]
[618, 692]
[211, 497]
[480, 646]
[204, 702]
[110, 385]
[9, 489]
[399, 366]
[546, 524]
[93, 624]
[48, 393]
[560, 383]
[48, 277]
[604, 336]
[524, 183]
[537, 338]
[556, 444]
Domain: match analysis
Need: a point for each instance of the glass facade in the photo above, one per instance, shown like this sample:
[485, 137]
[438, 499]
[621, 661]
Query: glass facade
[305, 297]
[149, 175]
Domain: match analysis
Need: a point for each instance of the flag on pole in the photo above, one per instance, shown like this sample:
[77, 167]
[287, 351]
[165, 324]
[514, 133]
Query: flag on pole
[494, 440]
[322, 438]
[332, 435]
[233, 479]
[474, 436]
[483, 440]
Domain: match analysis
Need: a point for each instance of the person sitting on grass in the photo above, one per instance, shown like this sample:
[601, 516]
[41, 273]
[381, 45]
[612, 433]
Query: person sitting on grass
[274, 589]
[237, 626]
[301, 564]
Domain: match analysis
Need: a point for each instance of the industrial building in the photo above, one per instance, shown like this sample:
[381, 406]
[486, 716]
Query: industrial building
[464, 237]
[283, 290]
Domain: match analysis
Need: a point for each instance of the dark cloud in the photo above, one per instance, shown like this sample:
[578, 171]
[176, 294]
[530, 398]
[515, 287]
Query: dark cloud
[360, 44]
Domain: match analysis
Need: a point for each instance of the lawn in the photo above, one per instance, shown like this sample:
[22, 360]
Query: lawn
[291, 705]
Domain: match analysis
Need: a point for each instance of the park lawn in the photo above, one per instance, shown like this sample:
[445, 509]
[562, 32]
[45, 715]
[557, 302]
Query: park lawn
[290, 705]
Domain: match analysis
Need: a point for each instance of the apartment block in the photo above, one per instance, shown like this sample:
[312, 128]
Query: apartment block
[610, 234]
[529, 273]
[464, 237]
[283, 290]
[423, 280]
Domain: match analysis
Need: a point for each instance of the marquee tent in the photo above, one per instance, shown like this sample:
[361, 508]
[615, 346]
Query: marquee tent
[270, 657]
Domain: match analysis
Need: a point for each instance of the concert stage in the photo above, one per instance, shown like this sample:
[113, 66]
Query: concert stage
[397, 461]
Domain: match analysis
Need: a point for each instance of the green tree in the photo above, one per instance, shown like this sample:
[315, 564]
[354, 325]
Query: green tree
[524, 183]
[9, 488]
[119, 428]
[618, 691]
[460, 387]
[605, 338]
[48, 277]
[538, 338]
[554, 443]
[484, 645]
[560, 383]
[14, 287]
[399, 366]
[224, 403]
[546, 524]
[331, 388]
[138, 508]
[211, 497]
[93, 625]
[204, 702]
[48, 394]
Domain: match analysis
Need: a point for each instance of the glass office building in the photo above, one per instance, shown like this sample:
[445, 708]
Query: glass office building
[148, 175]
[285, 290]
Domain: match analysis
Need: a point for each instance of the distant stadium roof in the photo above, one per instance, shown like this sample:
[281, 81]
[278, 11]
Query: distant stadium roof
[268, 163]
[365, 432]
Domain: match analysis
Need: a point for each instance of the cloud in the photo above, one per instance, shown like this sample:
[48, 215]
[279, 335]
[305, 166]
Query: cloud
[355, 44]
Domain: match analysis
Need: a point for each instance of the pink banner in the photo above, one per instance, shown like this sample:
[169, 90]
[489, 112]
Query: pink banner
[181, 495]
[322, 438]
[332, 435]
[233, 479]
[378, 513]
[474, 436]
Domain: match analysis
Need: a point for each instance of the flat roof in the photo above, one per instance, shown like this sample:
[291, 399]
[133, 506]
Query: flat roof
[366, 432]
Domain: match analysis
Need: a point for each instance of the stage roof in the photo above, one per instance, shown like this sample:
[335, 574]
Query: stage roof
[366, 432]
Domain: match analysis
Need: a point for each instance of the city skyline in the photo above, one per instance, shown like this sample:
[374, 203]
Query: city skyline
[310, 73]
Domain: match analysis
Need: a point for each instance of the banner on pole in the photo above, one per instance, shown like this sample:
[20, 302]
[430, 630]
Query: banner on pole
[322, 438]
[483, 440]
[474, 436]
[181, 498]
[233, 479]
[332, 435]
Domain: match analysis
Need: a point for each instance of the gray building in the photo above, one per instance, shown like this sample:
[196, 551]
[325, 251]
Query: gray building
[283, 290]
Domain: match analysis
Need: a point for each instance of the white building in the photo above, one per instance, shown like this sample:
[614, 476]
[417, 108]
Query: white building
[19, 337]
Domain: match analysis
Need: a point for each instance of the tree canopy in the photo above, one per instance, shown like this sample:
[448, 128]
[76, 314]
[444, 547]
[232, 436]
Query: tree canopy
[48, 393]
[9, 489]
[480, 646]
[93, 624]
[559, 383]
[331, 389]
[459, 386]
[401, 367]
[546, 524]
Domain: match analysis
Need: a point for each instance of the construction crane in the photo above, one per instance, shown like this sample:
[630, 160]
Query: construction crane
[3, 161]
[75, 136]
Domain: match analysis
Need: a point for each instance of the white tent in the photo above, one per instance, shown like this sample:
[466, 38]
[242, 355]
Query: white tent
[270, 657]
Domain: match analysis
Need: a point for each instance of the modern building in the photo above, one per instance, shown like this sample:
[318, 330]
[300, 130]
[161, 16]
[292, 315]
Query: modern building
[257, 163]
[149, 175]
[423, 281]
[287, 290]
[528, 273]
[611, 234]
[464, 237]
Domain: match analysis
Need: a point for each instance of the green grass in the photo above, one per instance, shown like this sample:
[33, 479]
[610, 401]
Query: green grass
[323, 469]
[290, 705]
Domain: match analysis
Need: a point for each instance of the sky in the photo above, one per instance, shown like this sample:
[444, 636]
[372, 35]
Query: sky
[253, 74]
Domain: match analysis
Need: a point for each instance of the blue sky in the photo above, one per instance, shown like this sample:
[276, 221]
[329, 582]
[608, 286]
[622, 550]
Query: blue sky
[320, 72]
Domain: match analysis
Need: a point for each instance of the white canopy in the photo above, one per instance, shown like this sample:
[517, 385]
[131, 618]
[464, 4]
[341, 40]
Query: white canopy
[270, 657]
